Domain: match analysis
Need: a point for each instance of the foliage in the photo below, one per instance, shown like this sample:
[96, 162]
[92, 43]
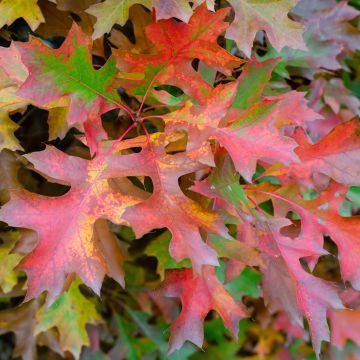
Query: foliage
[159, 155]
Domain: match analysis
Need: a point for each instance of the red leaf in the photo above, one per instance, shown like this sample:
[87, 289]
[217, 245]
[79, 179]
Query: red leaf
[169, 207]
[199, 294]
[177, 44]
[314, 296]
[256, 132]
[68, 72]
[333, 156]
[65, 224]
[345, 325]
[320, 216]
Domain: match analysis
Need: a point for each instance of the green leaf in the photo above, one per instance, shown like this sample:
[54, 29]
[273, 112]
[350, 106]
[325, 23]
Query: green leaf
[110, 12]
[234, 249]
[247, 283]
[157, 336]
[225, 181]
[134, 276]
[254, 78]
[207, 73]
[225, 350]
[215, 332]
[68, 71]
[128, 341]
[354, 195]
[141, 319]
[352, 202]
[159, 247]
[69, 314]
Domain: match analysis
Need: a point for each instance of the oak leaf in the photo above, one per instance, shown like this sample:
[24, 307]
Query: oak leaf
[9, 167]
[8, 261]
[21, 321]
[345, 325]
[181, 9]
[140, 19]
[79, 7]
[330, 20]
[199, 294]
[68, 72]
[166, 9]
[169, 207]
[56, 22]
[298, 292]
[7, 137]
[177, 44]
[69, 314]
[60, 253]
[10, 10]
[253, 79]
[314, 296]
[271, 16]
[159, 248]
[13, 73]
[320, 216]
[253, 134]
[110, 12]
[333, 156]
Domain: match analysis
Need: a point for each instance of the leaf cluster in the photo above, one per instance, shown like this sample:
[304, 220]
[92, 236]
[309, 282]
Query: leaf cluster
[179, 175]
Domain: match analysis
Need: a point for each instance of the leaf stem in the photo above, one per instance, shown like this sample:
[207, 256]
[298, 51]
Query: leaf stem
[116, 142]
[126, 109]
[255, 204]
[152, 116]
[147, 93]
[146, 132]
[155, 107]
[245, 187]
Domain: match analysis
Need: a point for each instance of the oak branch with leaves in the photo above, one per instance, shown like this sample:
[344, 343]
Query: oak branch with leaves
[206, 151]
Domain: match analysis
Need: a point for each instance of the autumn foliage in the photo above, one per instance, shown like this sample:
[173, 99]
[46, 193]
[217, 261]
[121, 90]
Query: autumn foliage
[171, 169]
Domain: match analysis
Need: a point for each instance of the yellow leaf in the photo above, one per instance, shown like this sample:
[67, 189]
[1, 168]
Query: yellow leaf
[10, 10]
[110, 12]
[7, 137]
